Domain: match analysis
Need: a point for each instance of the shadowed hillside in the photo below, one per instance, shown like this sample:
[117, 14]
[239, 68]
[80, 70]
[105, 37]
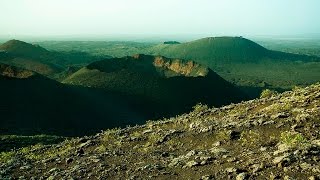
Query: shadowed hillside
[33, 104]
[175, 84]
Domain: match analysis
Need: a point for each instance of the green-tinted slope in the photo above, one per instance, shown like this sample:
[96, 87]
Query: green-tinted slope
[38, 59]
[24, 49]
[174, 85]
[219, 50]
[28, 56]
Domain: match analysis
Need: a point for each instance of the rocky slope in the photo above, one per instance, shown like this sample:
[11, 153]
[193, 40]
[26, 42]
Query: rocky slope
[14, 72]
[275, 137]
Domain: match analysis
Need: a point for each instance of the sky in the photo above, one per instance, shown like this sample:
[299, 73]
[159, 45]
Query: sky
[76, 18]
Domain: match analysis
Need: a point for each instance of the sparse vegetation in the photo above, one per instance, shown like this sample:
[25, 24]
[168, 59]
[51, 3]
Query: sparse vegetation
[9, 142]
[215, 141]
[267, 93]
[5, 157]
[293, 138]
[200, 107]
[251, 138]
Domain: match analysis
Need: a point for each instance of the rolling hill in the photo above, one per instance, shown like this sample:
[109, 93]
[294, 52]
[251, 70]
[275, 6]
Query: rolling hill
[238, 60]
[24, 49]
[28, 56]
[35, 58]
[216, 50]
[246, 64]
[174, 84]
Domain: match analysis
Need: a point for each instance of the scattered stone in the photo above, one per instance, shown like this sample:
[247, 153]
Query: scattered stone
[51, 178]
[206, 177]
[206, 129]
[218, 143]
[268, 122]
[231, 170]
[218, 151]
[176, 161]
[280, 115]
[282, 148]
[205, 160]
[287, 178]
[25, 167]
[53, 170]
[279, 125]
[316, 142]
[312, 178]
[233, 159]
[257, 167]
[147, 131]
[263, 148]
[241, 176]
[85, 144]
[191, 164]
[280, 159]
[191, 153]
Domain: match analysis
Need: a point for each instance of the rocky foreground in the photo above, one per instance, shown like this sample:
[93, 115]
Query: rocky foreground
[275, 137]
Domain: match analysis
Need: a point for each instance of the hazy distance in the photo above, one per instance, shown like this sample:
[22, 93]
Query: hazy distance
[138, 19]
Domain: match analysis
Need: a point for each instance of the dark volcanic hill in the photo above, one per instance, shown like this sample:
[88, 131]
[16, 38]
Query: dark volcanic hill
[174, 84]
[28, 56]
[24, 49]
[118, 93]
[223, 50]
[35, 58]
[33, 104]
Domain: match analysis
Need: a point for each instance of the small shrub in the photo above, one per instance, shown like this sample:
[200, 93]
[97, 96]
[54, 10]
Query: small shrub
[224, 135]
[250, 138]
[154, 138]
[292, 139]
[267, 93]
[6, 156]
[101, 149]
[200, 107]
[297, 88]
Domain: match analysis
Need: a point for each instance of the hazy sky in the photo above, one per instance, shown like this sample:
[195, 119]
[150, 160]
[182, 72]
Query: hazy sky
[158, 17]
